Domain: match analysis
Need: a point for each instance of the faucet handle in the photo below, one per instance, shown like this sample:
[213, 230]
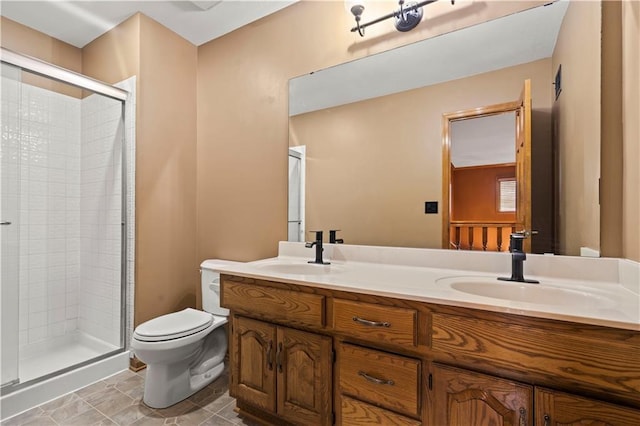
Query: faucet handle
[332, 237]
[523, 234]
[517, 238]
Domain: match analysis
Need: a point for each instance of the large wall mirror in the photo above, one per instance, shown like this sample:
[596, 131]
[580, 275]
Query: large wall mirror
[372, 129]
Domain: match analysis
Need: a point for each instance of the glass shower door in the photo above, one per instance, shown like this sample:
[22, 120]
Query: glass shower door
[295, 199]
[9, 225]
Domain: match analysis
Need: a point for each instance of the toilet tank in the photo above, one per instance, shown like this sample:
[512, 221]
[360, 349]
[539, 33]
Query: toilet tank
[210, 281]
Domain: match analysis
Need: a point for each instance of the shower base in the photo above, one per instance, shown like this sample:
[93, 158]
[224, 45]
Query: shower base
[42, 358]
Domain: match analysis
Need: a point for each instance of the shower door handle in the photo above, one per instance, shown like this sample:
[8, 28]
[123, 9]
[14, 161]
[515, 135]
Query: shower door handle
[5, 223]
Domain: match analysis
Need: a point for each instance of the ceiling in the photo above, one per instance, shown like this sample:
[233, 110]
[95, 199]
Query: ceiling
[80, 22]
[484, 140]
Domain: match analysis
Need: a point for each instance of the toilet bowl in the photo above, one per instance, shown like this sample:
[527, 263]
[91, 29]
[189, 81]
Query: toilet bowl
[184, 351]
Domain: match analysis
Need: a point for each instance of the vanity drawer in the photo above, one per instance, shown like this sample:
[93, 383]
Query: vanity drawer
[376, 323]
[586, 356]
[386, 380]
[354, 413]
[292, 307]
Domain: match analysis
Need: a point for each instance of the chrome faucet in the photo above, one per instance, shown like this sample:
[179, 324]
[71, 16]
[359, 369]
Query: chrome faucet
[518, 256]
[319, 249]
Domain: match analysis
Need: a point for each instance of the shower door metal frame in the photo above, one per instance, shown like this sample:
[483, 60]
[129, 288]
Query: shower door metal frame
[10, 300]
[54, 72]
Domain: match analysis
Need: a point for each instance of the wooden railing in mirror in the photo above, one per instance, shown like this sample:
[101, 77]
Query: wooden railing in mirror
[485, 236]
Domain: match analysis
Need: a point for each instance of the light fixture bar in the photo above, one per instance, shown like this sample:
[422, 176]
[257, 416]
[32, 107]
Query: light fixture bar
[395, 14]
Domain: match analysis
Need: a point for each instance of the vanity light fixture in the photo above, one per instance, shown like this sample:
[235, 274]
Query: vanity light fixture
[407, 16]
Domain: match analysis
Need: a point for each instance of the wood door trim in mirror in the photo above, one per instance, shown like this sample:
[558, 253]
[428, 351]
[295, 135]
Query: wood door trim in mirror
[447, 119]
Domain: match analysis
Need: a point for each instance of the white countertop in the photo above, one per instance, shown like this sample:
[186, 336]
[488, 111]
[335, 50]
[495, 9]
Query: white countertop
[597, 302]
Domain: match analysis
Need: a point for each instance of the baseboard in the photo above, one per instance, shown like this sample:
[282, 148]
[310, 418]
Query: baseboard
[254, 415]
[136, 365]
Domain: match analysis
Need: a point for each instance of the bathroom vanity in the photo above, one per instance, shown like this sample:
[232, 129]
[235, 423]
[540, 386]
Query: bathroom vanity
[388, 338]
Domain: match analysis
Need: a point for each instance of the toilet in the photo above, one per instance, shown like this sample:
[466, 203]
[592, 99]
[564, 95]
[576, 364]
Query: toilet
[184, 351]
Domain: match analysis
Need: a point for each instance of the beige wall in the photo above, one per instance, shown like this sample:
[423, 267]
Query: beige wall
[241, 157]
[606, 143]
[22, 39]
[114, 56]
[167, 277]
[611, 132]
[631, 128]
[371, 165]
[577, 127]
[242, 111]
[238, 165]
[166, 271]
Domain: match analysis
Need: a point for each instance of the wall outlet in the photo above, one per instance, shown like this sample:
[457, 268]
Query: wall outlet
[430, 207]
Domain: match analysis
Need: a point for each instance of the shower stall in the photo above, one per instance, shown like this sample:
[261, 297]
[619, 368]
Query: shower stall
[64, 222]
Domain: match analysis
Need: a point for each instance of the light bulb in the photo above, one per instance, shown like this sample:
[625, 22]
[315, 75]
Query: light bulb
[356, 7]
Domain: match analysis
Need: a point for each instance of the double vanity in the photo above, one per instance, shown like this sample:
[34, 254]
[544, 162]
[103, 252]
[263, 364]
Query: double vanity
[431, 337]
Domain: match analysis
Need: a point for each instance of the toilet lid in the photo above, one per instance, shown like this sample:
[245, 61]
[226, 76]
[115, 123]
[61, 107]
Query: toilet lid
[173, 326]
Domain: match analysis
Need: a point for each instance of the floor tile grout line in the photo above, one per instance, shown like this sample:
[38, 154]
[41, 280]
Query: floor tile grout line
[92, 408]
[217, 415]
[59, 422]
[106, 416]
[229, 420]
[194, 407]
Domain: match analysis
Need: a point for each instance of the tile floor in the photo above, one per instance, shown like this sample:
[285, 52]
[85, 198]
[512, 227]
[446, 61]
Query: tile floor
[117, 400]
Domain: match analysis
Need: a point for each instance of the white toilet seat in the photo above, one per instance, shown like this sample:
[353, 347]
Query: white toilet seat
[184, 351]
[173, 326]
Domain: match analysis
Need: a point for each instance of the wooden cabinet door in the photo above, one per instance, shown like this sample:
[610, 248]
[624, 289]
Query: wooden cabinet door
[304, 377]
[465, 398]
[253, 347]
[555, 408]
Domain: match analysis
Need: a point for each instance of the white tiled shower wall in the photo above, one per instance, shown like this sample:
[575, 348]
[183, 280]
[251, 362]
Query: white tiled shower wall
[48, 142]
[66, 156]
[101, 218]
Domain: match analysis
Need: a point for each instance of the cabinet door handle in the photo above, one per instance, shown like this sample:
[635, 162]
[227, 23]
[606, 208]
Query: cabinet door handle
[372, 323]
[547, 420]
[523, 417]
[279, 357]
[375, 379]
[270, 355]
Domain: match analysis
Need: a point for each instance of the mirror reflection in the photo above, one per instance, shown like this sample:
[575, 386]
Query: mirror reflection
[483, 182]
[371, 130]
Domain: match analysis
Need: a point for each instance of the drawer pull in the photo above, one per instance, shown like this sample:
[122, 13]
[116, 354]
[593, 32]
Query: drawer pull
[372, 323]
[547, 420]
[375, 379]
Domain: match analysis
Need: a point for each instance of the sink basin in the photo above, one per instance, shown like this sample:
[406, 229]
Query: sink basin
[542, 294]
[299, 268]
